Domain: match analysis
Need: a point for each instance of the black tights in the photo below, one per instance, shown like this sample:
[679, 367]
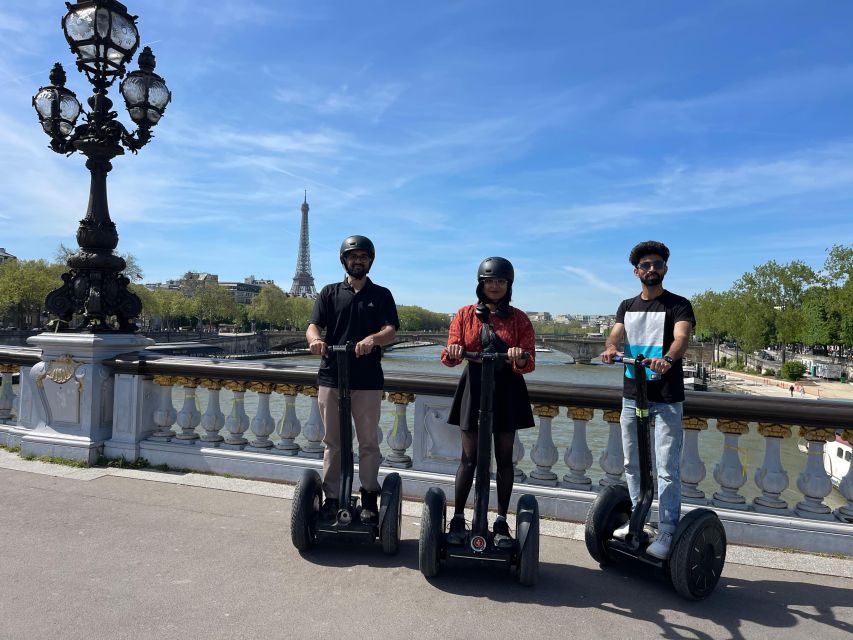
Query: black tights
[468, 466]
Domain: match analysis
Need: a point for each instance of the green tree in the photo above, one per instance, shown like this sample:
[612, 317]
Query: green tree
[214, 304]
[269, 307]
[24, 285]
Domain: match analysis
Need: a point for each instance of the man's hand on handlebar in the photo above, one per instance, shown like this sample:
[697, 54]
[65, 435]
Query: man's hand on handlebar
[609, 353]
[658, 365]
[364, 347]
[317, 347]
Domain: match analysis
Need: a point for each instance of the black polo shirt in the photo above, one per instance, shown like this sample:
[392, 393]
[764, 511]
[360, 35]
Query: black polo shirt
[348, 316]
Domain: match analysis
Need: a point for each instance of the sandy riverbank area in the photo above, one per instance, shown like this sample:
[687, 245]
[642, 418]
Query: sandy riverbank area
[764, 386]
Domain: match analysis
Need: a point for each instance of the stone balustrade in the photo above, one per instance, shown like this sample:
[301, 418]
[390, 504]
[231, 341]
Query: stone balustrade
[262, 421]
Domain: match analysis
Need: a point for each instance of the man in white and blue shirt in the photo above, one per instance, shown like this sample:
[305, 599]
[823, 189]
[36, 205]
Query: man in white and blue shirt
[656, 324]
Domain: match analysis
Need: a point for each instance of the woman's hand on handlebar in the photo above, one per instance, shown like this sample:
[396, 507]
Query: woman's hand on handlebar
[455, 351]
[317, 347]
[516, 355]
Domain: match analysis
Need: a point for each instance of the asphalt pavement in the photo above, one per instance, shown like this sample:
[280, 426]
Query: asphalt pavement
[112, 553]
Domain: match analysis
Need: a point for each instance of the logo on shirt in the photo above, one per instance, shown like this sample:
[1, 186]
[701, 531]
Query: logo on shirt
[369, 304]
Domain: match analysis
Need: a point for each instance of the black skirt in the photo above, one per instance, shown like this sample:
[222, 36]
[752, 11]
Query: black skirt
[511, 402]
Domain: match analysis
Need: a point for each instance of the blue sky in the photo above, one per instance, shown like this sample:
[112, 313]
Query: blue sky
[556, 134]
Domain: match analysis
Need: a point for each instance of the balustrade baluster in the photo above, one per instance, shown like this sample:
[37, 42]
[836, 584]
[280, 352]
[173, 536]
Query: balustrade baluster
[612, 459]
[517, 456]
[845, 513]
[289, 427]
[263, 424]
[165, 414]
[213, 419]
[400, 438]
[814, 482]
[313, 430]
[7, 396]
[692, 467]
[189, 416]
[578, 456]
[771, 477]
[729, 472]
[237, 421]
[544, 454]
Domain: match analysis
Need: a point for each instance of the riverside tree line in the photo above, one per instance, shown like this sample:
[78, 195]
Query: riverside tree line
[784, 304]
[24, 285]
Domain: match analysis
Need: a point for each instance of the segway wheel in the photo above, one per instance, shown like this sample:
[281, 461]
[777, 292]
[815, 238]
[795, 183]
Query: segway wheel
[433, 526]
[698, 556]
[391, 513]
[611, 509]
[527, 534]
[306, 508]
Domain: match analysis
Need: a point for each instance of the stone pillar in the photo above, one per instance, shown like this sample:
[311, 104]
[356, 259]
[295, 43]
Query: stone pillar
[612, 459]
[729, 472]
[263, 424]
[136, 400]
[771, 477]
[313, 430]
[165, 414]
[845, 513]
[189, 416]
[578, 456]
[692, 467]
[400, 438]
[213, 419]
[289, 427]
[7, 396]
[237, 421]
[814, 482]
[517, 456]
[71, 408]
[544, 454]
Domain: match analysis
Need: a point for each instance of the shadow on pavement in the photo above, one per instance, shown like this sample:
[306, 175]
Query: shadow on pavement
[629, 591]
[330, 553]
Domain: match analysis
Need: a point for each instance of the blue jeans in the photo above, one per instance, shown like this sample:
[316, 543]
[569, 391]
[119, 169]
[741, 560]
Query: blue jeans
[666, 443]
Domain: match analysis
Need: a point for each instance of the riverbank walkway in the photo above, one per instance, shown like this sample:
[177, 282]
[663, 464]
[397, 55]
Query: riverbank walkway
[121, 553]
[815, 388]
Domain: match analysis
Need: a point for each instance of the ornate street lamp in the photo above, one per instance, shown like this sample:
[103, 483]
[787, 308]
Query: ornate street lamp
[103, 36]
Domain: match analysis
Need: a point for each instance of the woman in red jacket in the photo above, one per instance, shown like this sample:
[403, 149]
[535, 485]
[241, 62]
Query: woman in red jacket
[490, 325]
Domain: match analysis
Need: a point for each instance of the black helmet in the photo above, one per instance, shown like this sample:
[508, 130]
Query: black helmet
[496, 268]
[358, 242]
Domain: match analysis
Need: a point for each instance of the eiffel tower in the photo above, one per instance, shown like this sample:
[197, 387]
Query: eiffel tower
[303, 281]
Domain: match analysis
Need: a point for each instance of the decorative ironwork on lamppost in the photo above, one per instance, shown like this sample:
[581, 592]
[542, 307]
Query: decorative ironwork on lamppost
[104, 37]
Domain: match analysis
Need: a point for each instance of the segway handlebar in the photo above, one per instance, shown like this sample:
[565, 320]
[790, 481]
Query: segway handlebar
[479, 356]
[643, 360]
[349, 347]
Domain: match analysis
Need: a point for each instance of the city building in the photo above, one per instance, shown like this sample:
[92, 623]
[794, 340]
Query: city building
[5, 257]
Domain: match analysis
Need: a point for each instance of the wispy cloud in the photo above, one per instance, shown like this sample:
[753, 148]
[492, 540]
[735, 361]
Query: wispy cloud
[589, 278]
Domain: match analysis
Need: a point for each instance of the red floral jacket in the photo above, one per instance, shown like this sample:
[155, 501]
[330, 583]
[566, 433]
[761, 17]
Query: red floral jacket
[516, 331]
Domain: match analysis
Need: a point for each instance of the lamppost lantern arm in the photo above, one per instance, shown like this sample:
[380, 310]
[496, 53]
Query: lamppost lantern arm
[103, 36]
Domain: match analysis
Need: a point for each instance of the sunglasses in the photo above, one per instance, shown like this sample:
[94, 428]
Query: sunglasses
[648, 264]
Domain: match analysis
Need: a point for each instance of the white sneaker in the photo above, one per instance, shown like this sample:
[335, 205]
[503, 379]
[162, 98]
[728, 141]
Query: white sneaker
[660, 548]
[622, 531]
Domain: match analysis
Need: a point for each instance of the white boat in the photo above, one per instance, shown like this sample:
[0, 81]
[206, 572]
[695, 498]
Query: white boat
[693, 382]
[836, 459]
[544, 350]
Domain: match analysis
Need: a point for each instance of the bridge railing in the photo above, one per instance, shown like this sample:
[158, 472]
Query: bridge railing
[261, 420]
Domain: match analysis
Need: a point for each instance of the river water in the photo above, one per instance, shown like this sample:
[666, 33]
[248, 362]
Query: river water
[552, 367]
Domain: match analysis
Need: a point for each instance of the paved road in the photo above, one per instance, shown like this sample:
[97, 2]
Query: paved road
[144, 555]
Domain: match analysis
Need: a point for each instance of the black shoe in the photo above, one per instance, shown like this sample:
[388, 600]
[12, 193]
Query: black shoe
[329, 510]
[369, 507]
[501, 538]
[457, 532]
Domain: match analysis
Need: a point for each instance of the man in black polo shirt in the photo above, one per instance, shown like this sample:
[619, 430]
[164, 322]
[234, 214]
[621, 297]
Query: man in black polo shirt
[354, 310]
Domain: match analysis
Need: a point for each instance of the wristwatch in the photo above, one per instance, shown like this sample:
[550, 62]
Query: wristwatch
[668, 359]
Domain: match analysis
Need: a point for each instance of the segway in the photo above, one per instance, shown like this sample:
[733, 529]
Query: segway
[434, 547]
[307, 524]
[698, 550]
